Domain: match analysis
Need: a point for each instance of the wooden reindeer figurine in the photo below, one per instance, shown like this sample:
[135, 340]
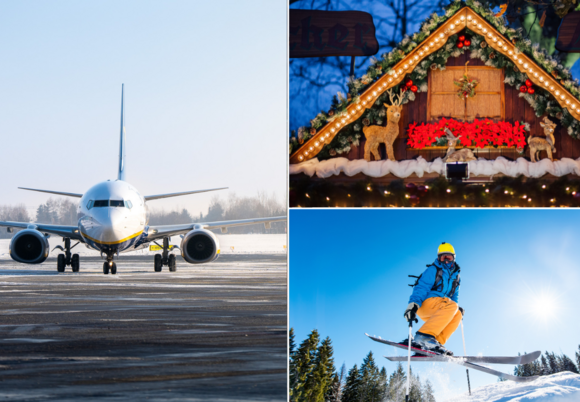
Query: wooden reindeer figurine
[547, 144]
[463, 155]
[377, 134]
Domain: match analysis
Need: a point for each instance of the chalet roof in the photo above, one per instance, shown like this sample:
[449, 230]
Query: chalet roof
[463, 17]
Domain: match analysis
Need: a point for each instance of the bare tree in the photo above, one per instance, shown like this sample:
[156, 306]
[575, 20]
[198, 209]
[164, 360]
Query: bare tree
[313, 81]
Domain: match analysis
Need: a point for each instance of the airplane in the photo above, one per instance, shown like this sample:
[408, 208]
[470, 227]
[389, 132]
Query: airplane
[113, 218]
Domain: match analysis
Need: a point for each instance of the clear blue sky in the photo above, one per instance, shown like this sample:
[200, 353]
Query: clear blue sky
[205, 86]
[520, 280]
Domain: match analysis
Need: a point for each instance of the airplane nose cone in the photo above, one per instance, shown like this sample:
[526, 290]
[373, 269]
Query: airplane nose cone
[110, 226]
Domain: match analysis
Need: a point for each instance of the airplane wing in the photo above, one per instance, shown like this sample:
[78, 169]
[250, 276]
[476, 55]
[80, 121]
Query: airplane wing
[53, 192]
[157, 232]
[158, 196]
[71, 232]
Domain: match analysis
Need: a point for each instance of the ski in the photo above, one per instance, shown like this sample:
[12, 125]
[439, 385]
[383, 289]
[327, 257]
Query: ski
[523, 359]
[456, 360]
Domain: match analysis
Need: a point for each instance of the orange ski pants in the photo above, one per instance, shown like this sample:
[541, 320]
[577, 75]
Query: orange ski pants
[441, 316]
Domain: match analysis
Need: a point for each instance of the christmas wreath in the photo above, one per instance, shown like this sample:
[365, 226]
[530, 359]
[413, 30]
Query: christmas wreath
[466, 87]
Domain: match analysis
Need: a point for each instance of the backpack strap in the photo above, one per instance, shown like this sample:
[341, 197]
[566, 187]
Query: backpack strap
[438, 280]
[455, 282]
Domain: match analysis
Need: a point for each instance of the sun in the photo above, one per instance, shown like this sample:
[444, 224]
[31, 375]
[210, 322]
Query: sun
[544, 305]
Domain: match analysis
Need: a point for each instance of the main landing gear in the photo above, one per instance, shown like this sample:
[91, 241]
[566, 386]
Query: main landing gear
[62, 260]
[164, 258]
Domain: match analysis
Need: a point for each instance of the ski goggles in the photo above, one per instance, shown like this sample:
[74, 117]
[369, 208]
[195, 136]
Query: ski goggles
[446, 257]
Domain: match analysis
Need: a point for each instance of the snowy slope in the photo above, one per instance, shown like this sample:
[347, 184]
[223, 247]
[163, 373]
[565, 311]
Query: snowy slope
[560, 387]
[230, 243]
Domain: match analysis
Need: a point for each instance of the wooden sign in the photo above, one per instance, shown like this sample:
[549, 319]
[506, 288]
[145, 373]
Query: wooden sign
[316, 33]
[569, 33]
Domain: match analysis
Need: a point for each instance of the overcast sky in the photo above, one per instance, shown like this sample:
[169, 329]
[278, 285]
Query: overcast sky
[205, 97]
[519, 282]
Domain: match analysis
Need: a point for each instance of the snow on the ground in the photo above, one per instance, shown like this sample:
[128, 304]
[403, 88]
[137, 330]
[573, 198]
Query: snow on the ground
[560, 387]
[229, 243]
[419, 166]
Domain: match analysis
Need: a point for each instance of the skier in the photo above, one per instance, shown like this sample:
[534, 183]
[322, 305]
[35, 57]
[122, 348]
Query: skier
[434, 300]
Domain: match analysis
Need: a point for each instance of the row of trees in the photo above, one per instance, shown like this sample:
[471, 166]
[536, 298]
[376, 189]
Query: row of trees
[313, 377]
[549, 363]
[63, 211]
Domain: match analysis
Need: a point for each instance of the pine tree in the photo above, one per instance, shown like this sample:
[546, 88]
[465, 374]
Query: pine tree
[319, 381]
[301, 366]
[427, 392]
[397, 385]
[578, 357]
[292, 344]
[351, 388]
[566, 364]
[415, 388]
[552, 363]
[334, 393]
[369, 374]
[545, 370]
[382, 385]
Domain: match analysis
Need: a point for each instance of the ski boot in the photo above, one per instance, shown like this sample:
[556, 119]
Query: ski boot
[428, 343]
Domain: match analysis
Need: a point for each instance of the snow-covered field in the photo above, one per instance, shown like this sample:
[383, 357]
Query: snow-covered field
[419, 166]
[560, 387]
[229, 244]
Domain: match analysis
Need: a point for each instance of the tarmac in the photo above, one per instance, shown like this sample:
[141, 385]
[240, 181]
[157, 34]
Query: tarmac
[213, 331]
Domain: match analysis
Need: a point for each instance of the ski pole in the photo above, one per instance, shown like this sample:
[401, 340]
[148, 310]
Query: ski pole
[409, 358]
[465, 354]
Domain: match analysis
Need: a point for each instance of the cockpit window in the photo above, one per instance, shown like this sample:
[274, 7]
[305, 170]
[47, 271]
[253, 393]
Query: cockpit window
[128, 204]
[101, 203]
[115, 203]
[90, 204]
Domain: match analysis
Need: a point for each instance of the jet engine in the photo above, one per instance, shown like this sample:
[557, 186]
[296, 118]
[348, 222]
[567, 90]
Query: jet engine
[29, 246]
[199, 246]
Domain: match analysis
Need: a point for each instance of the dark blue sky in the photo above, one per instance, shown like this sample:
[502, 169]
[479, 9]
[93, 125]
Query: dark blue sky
[520, 281]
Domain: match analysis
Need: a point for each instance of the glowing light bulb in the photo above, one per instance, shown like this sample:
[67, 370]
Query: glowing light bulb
[510, 53]
[374, 93]
[573, 106]
[364, 102]
[337, 125]
[452, 26]
[300, 157]
[469, 18]
[310, 149]
[305, 152]
[333, 130]
[390, 79]
[479, 26]
[358, 107]
[552, 88]
[416, 57]
[400, 71]
[541, 79]
[462, 17]
[489, 35]
[369, 98]
[536, 75]
[557, 92]
[316, 144]
[505, 48]
[526, 65]
[441, 35]
[562, 97]
[436, 39]
[406, 66]
[420, 53]
[484, 30]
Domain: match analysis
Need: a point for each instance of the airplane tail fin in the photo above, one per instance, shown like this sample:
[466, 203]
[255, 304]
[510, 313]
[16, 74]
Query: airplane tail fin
[121, 174]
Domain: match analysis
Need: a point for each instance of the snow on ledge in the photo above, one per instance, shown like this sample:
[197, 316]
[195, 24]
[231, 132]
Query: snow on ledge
[559, 387]
[419, 166]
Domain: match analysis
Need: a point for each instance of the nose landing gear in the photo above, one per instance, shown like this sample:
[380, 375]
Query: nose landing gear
[62, 260]
[164, 258]
[110, 265]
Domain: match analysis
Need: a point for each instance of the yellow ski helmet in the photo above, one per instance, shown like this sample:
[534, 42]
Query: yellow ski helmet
[446, 248]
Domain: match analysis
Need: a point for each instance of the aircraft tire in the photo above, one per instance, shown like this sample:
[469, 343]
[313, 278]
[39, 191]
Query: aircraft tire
[106, 268]
[114, 269]
[60, 263]
[75, 263]
[172, 264]
[157, 263]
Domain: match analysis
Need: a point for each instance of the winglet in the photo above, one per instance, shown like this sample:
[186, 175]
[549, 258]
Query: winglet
[121, 174]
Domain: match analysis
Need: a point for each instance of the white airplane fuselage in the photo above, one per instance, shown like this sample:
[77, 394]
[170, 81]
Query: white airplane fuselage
[112, 217]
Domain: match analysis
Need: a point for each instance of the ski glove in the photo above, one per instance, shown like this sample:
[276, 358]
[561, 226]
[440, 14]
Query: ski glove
[462, 311]
[411, 312]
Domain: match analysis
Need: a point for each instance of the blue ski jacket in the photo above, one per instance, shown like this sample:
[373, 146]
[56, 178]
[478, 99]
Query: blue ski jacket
[426, 286]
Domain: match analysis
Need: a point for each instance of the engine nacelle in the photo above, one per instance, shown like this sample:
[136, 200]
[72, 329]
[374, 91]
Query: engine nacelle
[29, 246]
[199, 246]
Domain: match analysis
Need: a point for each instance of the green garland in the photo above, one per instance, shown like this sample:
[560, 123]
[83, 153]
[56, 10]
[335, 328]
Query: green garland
[502, 192]
[541, 101]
